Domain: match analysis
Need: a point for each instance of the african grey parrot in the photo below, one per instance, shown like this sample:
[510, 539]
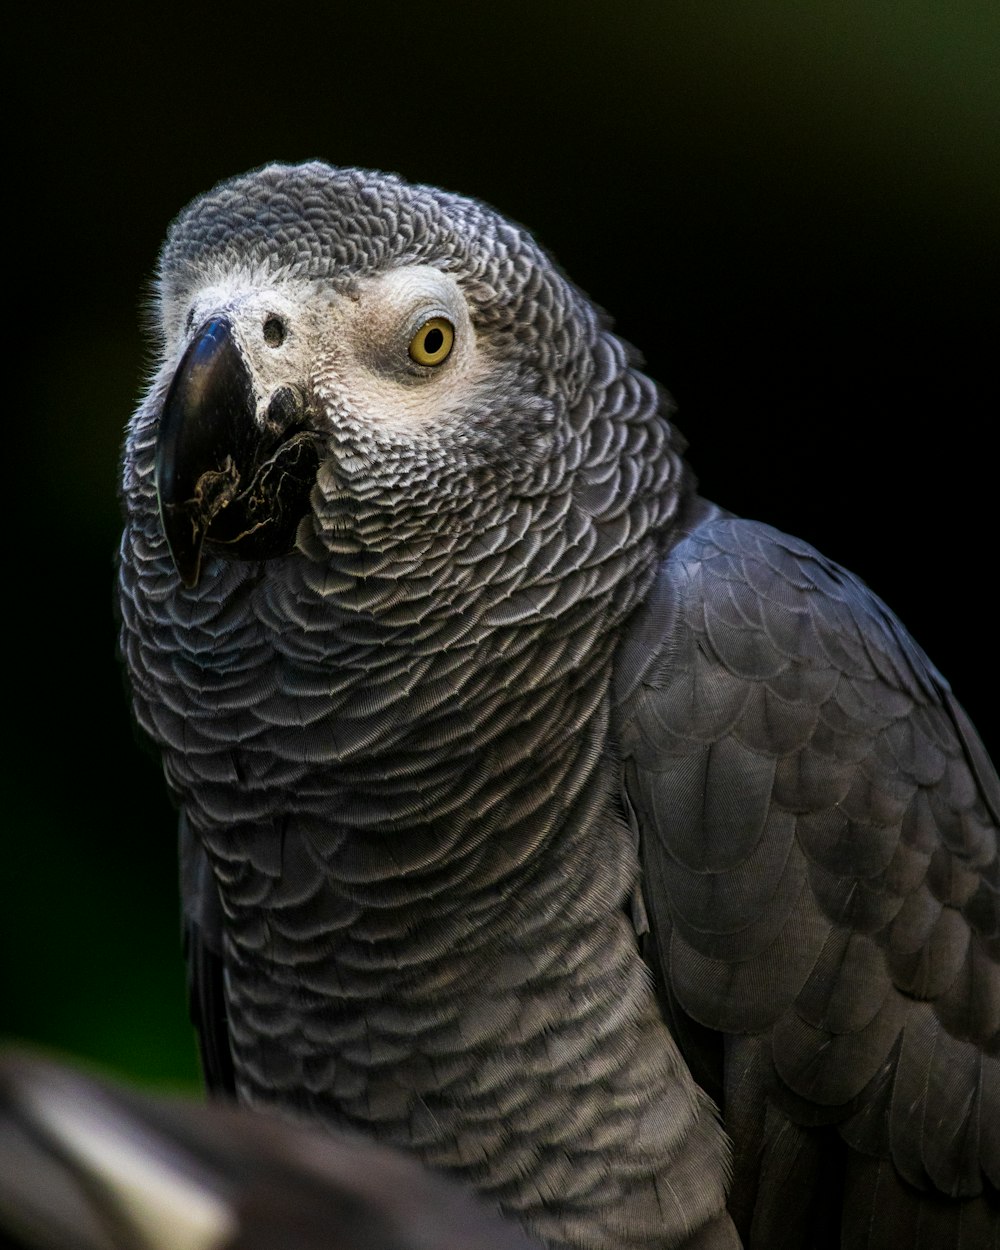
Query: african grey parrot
[529, 802]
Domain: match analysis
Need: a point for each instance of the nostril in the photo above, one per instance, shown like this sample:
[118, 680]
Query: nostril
[274, 332]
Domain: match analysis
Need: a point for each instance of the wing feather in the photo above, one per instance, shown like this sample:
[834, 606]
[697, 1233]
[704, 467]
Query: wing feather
[818, 829]
[202, 925]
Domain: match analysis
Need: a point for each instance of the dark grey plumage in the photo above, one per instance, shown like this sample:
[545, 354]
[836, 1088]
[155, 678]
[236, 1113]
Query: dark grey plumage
[423, 721]
[819, 846]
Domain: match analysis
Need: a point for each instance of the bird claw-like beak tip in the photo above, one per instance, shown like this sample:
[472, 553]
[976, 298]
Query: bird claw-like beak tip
[190, 575]
[184, 542]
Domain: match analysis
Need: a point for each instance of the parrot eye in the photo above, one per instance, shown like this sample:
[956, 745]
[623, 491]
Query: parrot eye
[432, 343]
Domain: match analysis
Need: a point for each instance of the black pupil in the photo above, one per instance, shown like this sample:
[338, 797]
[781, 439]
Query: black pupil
[433, 341]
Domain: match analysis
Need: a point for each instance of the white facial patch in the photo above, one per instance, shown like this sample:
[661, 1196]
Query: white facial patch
[376, 367]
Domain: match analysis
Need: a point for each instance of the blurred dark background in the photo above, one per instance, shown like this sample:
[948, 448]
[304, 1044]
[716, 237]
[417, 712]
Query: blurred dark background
[792, 208]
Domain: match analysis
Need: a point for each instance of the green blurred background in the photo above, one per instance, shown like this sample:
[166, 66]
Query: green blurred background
[792, 208]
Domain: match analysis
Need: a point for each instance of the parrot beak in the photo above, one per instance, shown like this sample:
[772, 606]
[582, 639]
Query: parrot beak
[222, 477]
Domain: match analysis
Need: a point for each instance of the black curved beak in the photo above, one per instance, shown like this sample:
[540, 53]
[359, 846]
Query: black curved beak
[220, 477]
[208, 410]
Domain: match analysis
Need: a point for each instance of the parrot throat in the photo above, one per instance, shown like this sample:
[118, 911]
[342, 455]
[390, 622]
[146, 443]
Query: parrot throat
[428, 941]
[428, 931]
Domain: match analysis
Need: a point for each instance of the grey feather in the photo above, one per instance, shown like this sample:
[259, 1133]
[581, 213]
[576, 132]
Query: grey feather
[858, 958]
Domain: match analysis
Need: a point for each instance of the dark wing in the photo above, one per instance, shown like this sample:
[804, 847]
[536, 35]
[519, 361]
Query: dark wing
[819, 836]
[202, 924]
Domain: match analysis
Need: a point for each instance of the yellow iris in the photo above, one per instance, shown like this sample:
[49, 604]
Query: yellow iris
[432, 343]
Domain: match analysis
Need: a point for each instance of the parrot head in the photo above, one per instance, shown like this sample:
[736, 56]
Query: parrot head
[352, 364]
